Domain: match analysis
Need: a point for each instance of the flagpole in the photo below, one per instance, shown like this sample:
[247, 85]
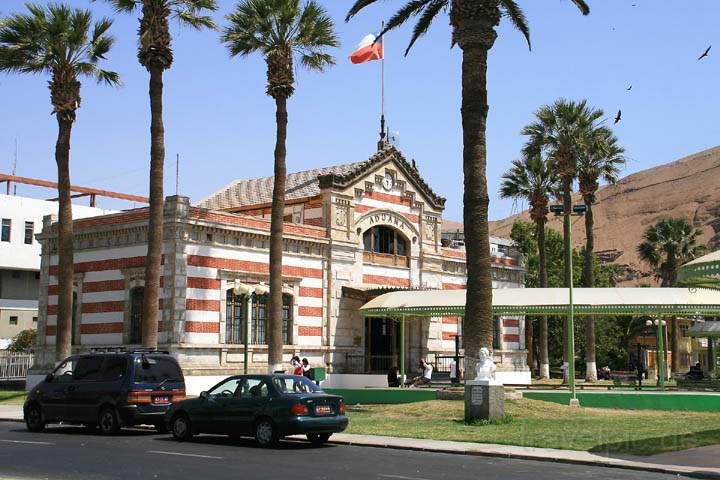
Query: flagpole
[382, 87]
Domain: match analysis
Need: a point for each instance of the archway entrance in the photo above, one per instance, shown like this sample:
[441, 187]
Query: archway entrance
[382, 344]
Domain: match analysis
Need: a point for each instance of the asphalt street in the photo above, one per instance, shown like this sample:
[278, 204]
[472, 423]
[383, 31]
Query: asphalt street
[65, 452]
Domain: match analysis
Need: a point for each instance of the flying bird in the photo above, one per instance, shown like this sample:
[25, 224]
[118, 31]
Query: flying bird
[618, 116]
[629, 88]
[705, 53]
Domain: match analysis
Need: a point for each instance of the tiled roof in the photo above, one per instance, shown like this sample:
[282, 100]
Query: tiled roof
[308, 183]
[258, 191]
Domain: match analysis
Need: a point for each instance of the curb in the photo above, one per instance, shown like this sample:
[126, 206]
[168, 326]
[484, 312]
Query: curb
[667, 469]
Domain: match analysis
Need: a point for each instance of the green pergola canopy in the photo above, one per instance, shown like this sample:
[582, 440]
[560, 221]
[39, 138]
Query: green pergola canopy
[550, 301]
[703, 272]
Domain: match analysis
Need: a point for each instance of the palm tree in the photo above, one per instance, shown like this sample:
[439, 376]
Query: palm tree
[560, 131]
[284, 32]
[600, 159]
[65, 44]
[533, 178]
[667, 245]
[474, 24]
[156, 55]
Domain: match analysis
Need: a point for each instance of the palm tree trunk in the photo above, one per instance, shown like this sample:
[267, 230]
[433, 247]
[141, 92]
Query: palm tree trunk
[155, 224]
[478, 324]
[275, 340]
[544, 351]
[567, 206]
[63, 340]
[589, 281]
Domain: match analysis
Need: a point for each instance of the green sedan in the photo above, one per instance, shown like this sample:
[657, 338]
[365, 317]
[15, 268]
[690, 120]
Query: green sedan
[267, 407]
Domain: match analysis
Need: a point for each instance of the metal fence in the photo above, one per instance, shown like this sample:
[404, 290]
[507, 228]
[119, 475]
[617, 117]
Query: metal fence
[441, 364]
[14, 366]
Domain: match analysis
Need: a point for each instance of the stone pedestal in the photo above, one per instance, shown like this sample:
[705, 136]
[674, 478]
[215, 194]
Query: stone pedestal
[484, 400]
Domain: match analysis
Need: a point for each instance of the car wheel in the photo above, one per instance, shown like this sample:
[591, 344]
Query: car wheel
[108, 421]
[160, 427]
[181, 428]
[318, 438]
[34, 419]
[265, 433]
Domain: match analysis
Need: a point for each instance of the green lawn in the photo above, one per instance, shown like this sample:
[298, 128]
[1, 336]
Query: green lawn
[12, 397]
[542, 424]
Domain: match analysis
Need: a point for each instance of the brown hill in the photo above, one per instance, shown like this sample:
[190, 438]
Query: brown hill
[689, 188]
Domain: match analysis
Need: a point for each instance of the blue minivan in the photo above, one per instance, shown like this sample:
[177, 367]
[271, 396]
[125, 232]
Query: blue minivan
[107, 390]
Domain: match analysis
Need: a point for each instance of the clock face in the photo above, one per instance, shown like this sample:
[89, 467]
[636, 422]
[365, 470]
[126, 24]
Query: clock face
[388, 182]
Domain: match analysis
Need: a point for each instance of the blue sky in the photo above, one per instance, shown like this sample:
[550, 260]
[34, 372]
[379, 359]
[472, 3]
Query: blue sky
[220, 121]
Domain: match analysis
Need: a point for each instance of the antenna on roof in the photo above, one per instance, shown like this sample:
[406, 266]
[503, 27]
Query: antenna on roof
[14, 168]
[177, 174]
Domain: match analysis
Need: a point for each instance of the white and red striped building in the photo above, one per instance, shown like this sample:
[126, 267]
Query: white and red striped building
[352, 231]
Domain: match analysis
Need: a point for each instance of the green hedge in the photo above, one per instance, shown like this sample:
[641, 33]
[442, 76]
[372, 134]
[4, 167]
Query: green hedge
[635, 401]
[369, 396]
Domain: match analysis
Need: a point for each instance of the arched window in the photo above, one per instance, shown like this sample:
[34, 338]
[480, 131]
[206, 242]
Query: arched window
[137, 295]
[235, 311]
[385, 245]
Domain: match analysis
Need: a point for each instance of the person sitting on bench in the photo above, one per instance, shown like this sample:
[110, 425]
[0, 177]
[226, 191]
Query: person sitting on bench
[426, 376]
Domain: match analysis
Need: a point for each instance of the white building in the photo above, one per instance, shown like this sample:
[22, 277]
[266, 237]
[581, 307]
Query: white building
[20, 219]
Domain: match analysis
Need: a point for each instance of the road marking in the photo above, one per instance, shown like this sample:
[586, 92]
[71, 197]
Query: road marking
[27, 441]
[160, 452]
[400, 477]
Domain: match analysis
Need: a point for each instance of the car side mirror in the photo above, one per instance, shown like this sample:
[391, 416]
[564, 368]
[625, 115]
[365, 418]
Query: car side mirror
[49, 377]
[204, 395]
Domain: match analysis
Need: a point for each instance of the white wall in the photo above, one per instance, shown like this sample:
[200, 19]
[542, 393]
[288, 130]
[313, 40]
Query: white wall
[16, 254]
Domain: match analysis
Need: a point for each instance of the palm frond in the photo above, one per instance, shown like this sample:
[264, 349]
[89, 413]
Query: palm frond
[513, 11]
[410, 10]
[357, 6]
[425, 20]
[582, 6]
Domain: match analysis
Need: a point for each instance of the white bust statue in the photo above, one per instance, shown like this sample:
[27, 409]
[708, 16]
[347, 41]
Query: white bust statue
[485, 368]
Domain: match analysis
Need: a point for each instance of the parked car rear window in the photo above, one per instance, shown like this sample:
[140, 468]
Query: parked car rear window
[295, 385]
[157, 369]
[88, 369]
[114, 368]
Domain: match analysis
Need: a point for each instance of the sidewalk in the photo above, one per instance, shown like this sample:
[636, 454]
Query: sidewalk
[682, 462]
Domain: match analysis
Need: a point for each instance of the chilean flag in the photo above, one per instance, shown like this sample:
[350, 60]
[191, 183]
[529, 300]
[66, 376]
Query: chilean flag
[368, 50]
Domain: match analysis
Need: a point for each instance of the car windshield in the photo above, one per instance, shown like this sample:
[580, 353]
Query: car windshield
[295, 385]
[156, 369]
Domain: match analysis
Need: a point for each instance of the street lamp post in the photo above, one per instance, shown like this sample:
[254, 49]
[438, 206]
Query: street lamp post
[577, 210]
[660, 344]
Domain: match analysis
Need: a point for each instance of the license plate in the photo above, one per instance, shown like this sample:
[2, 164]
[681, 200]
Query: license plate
[161, 400]
[323, 410]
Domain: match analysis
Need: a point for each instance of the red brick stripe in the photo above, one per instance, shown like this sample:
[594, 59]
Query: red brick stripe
[213, 216]
[387, 198]
[103, 307]
[453, 253]
[311, 292]
[101, 265]
[53, 289]
[137, 215]
[511, 337]
[317, 222]
[52, 309]
[453, 286]
[450, 320]
[511, 322]
[310, 311]
[206, 283]
[202, 305]
[104, 286]
[310, 331]
[114, 327]
[202, 327]
[503, 261]
[256, 267]
[50, 330]
[382, 280]
[449, 335]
